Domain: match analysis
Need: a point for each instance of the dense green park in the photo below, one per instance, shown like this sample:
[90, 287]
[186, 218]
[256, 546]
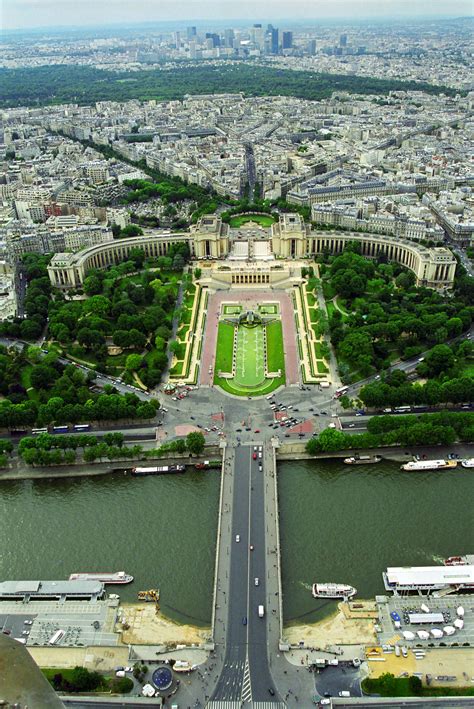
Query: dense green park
[86, 85]
[382, 315]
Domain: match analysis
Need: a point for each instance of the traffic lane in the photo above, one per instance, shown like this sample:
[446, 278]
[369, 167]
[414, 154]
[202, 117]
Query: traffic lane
[229, 685]
[441, 703]
[261, 679]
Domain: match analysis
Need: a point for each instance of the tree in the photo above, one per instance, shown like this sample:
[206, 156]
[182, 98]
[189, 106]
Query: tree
[133, 362]
[345, 402]
[197, 273]
[195, 442]
[131, 230]
[42, 377]
[439, 359]
[332, 440]
[174, 347]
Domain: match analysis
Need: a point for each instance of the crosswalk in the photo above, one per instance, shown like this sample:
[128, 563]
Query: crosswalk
[223, 704]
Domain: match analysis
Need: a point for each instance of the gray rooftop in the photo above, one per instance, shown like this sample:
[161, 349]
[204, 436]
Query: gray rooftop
[53, 588]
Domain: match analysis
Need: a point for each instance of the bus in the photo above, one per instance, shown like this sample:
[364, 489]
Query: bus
[60, 429]
[36, 431]
[402, 410]
[54, 639]
[340, 392]
[81, 426]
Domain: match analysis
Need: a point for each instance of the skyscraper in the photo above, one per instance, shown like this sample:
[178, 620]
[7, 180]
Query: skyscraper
[287, 40]
[312, 47]
[271, 39]
[229, 38]
[190, 32]
[343, 40]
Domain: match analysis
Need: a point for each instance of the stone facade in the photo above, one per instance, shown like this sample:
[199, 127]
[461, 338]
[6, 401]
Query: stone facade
[290, 239]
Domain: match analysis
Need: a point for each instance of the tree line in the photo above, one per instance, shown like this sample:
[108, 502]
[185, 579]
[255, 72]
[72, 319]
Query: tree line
[427, 429]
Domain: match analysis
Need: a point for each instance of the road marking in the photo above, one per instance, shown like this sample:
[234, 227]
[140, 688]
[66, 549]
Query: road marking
[246, 695]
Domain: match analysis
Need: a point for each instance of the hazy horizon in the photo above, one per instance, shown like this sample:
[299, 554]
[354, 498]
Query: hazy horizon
[51, 14]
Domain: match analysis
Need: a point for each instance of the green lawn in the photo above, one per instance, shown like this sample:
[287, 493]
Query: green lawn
[250, 357]
[271, 309]
[250, 367]
[468, 370]
[261, 219]
[232, 309]
[275, 353]
[225, 346]
[322, 369]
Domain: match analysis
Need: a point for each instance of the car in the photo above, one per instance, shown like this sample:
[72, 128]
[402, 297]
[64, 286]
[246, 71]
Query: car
[248, 428]
[254, 456]
[251, 547]
[351, 425]
[257, 581]
[237, 537]
[394, 616]
[255, 448]
[287, 435]
[257, 430]
[239, 430]
[271, 691]
[128, 669]
[324, 413]
[25, 632]
[28, 622]
[259, 454]
[244, 620]
[6, 631]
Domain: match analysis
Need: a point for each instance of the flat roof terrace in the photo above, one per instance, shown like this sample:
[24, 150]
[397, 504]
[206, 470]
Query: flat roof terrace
[428, 576]
[62, 590]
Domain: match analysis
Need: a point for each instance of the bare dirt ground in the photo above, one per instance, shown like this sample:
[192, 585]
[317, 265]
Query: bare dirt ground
[150, 628]
[342, 628]
[94, 658]
[456, 662]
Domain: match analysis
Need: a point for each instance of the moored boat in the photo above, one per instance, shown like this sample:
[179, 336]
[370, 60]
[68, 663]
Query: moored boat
[333, 590]
[362, 459]
[466, 560]
[414, 465]
[106, 578]
[158, 470]
[467, 463]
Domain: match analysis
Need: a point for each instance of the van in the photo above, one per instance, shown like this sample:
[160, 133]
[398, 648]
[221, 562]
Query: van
[344, 693]
[261, 611]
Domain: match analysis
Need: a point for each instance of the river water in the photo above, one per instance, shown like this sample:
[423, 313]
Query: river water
[337, 523]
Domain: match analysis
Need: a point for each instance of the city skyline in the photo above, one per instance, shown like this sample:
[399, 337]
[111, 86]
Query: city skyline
[30, 14]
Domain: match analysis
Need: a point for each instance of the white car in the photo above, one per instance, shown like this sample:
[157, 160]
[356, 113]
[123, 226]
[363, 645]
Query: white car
[237, 537]
[257, 581]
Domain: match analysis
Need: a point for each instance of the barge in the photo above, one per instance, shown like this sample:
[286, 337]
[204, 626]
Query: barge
[117, 577]
[158, 470]
[362, 460]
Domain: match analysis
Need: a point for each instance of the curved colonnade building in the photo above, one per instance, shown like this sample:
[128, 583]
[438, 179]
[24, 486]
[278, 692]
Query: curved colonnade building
[289, 240]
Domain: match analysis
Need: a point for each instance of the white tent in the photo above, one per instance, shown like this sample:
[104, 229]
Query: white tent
[449, 630]
[460, 611]
[436, 633]
[408, 635]
[423, 634]
[459, 623]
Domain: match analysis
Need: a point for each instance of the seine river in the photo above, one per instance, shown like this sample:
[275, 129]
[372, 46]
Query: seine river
[338, 523]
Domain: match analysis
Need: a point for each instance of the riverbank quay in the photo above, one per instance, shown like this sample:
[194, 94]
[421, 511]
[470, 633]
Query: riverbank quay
[396, 454]
[18, 470]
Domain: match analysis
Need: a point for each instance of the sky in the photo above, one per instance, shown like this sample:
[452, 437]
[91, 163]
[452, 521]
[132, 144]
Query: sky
[24, 14]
